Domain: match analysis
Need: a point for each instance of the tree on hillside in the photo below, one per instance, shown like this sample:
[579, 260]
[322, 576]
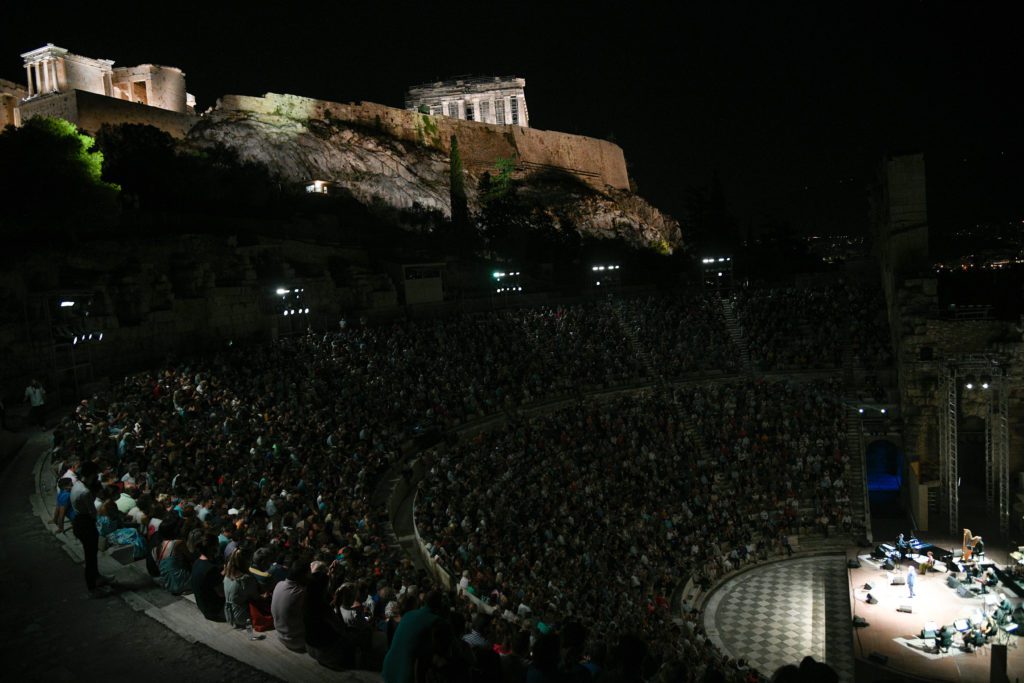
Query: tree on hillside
[51, 183]
[460, 208]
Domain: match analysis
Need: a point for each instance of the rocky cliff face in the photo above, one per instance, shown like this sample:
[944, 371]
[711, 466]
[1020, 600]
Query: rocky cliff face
[376, 168]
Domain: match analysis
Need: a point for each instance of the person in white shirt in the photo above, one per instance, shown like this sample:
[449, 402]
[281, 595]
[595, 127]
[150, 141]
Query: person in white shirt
[35, 395]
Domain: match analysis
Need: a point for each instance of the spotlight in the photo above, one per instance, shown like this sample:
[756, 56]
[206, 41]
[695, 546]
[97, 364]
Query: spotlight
[101, 337]
[286, 311]
[969, 383]
[860, 410]
[282, 291]
[985, 381]
[67, 304]
[598, 283]
[882, 411]
[75, 340]
[307, 310]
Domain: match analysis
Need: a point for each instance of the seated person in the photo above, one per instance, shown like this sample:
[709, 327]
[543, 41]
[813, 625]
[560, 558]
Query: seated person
[928, 564]
[902, 546]
[944, 639]
[974, 638]
[207, 585]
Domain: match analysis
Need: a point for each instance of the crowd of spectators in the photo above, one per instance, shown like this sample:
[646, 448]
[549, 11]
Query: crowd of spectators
[684, 334]
[520, 513]
[247, 479]
[800, 328]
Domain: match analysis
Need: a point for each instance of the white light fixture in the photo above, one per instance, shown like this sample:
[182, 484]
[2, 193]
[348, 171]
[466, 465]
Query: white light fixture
[883, 411]
[67, 304]
[307, 310]
[75, 340]
[282, 291]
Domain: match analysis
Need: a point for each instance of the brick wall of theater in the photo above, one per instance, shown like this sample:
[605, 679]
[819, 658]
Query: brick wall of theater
[597, 162]
[921, 383]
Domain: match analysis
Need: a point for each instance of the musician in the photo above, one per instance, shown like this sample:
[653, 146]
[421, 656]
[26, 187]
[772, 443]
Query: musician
[928, 564]
[974, 638]
[988, 580]
[943, 639]
[902, 546]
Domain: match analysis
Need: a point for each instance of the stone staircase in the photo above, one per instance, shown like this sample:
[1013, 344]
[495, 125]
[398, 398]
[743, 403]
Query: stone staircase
[736, 332]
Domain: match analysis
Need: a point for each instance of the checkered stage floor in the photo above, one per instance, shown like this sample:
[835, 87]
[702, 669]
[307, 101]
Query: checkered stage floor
[781, 612]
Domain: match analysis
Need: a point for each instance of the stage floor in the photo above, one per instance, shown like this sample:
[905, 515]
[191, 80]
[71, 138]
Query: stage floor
[777, 613]
[894, 634]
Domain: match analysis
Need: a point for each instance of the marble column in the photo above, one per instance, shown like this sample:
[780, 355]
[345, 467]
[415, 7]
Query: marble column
[28, 76]
[46, 76]
[39, 78]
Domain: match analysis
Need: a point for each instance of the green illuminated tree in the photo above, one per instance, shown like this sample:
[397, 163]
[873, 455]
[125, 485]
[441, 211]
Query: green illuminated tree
[51, 182]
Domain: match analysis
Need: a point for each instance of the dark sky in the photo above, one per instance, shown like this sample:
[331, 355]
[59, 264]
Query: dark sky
[772, 99]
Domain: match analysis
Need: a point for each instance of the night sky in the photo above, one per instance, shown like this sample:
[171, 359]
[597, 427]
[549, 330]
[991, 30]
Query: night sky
[791, 107]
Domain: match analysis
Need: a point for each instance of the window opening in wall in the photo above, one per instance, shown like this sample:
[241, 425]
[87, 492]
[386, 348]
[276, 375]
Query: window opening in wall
[436, 110]
[485, 111]
[139, 92]
[469, 112]
[499, 113]
[514, 103]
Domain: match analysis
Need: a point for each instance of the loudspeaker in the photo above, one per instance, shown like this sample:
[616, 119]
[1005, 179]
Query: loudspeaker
[964, 592]
[888, 565]
[952, 581]
[878, 658]
[871, 599]
[898, 580]
[853, 563]
[908, 608]
[859, 622]
[869, 586]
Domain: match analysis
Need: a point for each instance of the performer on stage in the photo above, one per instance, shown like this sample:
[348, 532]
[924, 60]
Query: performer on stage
[902, 546]
[911, 579]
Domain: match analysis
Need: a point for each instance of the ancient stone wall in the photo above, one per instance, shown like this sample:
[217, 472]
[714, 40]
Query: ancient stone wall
[89, 111]
[925, 344]
[596, 162]
[10, 95]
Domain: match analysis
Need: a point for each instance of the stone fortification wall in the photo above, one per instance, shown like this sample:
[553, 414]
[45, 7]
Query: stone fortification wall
[89, 111]
[598, 163]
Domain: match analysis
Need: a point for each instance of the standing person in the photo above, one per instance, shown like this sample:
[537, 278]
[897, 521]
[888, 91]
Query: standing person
[911, 579]
[83, 502]
[35, 395]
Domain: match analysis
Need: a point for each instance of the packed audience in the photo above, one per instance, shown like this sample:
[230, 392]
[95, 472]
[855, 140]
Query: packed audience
[799, 328]
[248, 479]
[684, 334]
[519, 512]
